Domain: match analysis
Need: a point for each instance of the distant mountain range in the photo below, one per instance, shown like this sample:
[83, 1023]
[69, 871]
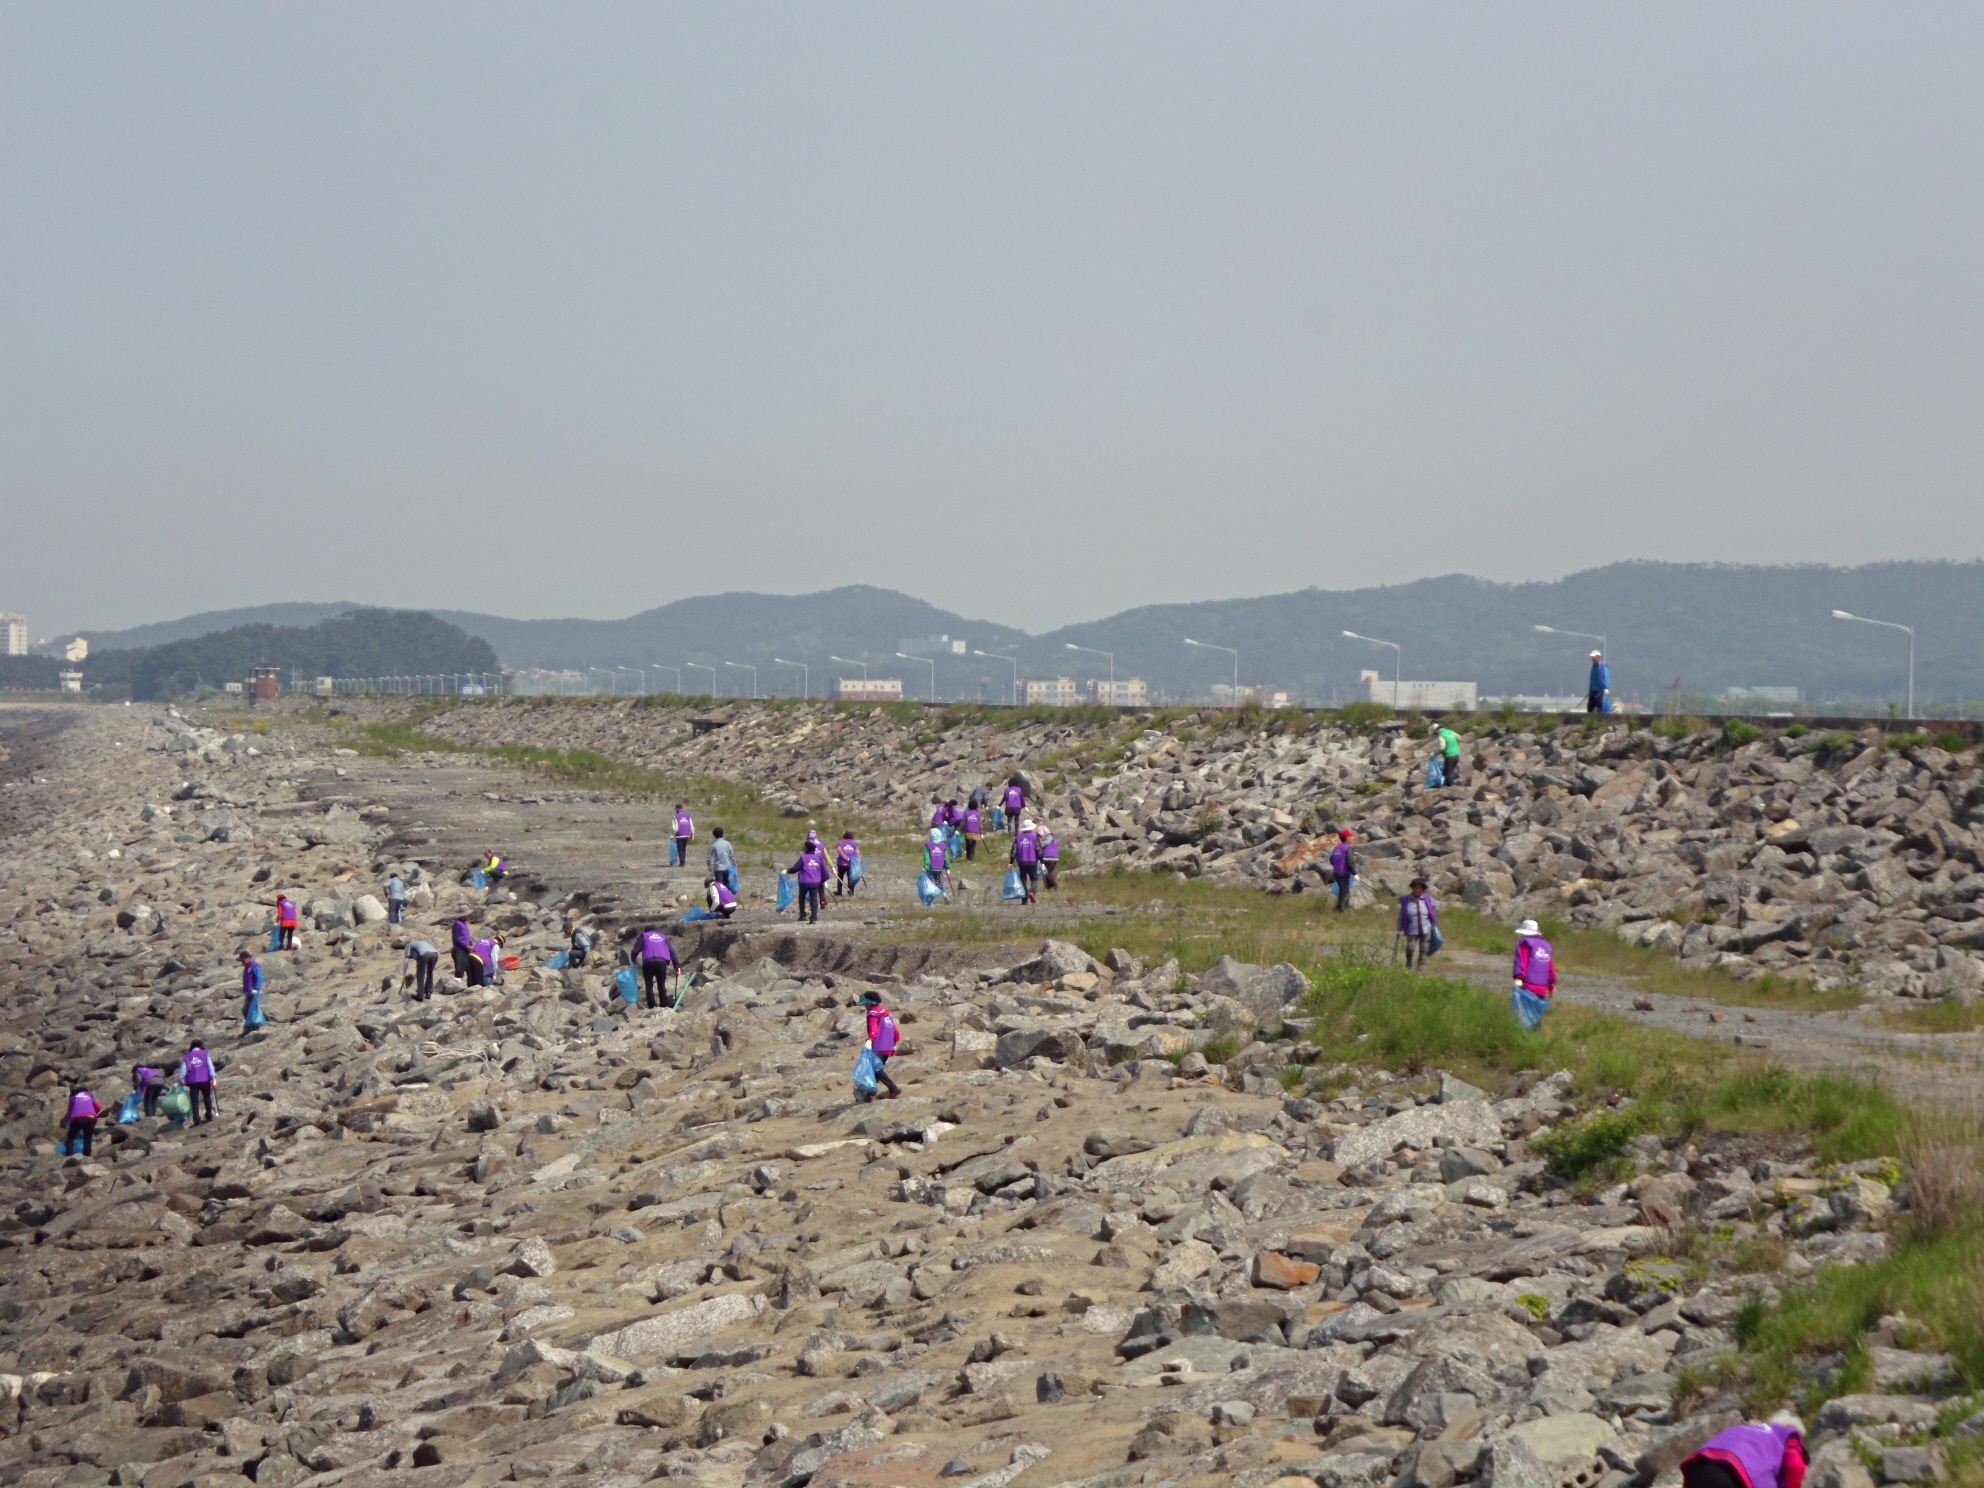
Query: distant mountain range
[1711, 626]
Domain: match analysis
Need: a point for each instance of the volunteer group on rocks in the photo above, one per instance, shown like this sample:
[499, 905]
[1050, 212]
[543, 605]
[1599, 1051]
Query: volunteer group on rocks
[505, 1233]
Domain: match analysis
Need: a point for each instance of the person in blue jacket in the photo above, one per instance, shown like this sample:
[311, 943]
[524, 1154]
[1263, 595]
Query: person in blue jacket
[1599, 685]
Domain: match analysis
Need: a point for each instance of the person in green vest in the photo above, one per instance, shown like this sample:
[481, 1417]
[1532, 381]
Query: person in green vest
[1449, 755]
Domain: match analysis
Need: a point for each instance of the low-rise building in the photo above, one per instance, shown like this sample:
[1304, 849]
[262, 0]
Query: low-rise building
[868, 690]
[1060, 692]
[1439, 697]
[1226, 696]
[1131, 692]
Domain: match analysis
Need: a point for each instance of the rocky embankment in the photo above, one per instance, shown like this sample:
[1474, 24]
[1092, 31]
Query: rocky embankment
[521, 1233]
[1838, 862]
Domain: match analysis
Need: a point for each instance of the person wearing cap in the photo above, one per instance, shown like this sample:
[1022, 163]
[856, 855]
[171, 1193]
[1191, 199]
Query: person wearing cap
[1343, 868]
[1535, 975]
[1768, 1454]
[1599, 684]
[1417, 915]
[1025, 856]
[882, 1038]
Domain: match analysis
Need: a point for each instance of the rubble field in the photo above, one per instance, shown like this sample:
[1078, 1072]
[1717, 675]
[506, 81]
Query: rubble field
[527, 1232]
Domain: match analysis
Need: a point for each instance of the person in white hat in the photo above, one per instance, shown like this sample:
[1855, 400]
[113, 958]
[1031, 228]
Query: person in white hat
[1025, 856]
[1534, 974]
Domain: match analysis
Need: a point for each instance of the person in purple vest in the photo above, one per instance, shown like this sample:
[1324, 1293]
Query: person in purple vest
[845, 856]
[1025, 856]
[718, 899]
[1535, 975]
[1418, 914]
[196, 1073]
[460, 939]
[1050, 857]
[936, 859]
[81, 1120]
[810, 872]
[1015, 802]
[1343, 868]
[1767, 1455]
[685, 833]
[150, 1085]
[482, 961]
[974, 832]
[656, 956]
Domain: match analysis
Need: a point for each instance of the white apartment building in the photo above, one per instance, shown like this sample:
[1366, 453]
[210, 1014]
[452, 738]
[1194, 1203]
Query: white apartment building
[868, 690]
[1131, 692]
[13, 634]
[1061, 692]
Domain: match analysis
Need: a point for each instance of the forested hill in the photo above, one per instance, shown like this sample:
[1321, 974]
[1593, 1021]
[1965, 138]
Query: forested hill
[358, 643]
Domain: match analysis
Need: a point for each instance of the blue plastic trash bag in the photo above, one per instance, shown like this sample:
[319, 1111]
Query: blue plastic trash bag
[1015, 886]
[866, 1068]
[559, 962]
[254, 1017]
[955, 847]
[1435, 942]
[855, 872]
[132, 1109]
[1436, 773]
[628, 981]
[730, 877]
[1528, 1008]
[927, 890]
[275, 938]
[788, 892]
[481, 879]
[998, 818]
[698, 913]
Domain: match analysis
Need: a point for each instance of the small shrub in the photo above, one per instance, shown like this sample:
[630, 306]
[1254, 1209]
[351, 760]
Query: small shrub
[1592, 1148]
[1537, 1307]
[1797, 731]
[1833, 743]
[1951, 742]
[1547, 723]
[1942, 1154]
[1737, 732]
[1902, 743]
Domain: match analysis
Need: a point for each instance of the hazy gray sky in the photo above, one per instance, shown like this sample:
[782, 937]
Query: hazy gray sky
[1036, 310]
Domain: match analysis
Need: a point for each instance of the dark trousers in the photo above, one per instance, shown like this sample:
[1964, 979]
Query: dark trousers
[287, 939]
[843, 879]
[882, 1077]
[654, 981]
[81, 1131]
[1706, 1472]
[423, 976]
[462, 959]
[681, 853]
[152, 1092]
[1343, 882]
[395, 911]
[1594, 702]
[1450, 764]
[202, 1092]
[1050, 869]
[478, 974]
[809, 901]
[1417, 949]
[1030, 880]
[971, 847]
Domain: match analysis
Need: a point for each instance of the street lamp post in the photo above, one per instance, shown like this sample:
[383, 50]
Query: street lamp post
[1092, 651]
[742, 667]
[1891, 625]
[1398, 659]
[697, 666]
[850, 661]
[1209, 646]
[905, 656]
[995, 656]
[805, 675]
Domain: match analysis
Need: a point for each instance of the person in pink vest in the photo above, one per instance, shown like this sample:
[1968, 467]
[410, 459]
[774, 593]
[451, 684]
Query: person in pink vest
[685, 833]
[657, 958]
[81, 1119]
[845, 857]
[285, 923]
[196, 1073]
[1535, 975]
[883, 1036]
[1766, 1455]
[974, 832]
[1025, 856]
[1015, 803]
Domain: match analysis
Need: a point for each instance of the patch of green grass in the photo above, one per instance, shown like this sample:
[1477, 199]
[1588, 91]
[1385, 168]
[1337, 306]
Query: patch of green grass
[1902, 743]
[1736, 732]
[1936, 1282]
[1846, 1117]
[1834, 744]
[1362, 714]
[1946, 1016]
